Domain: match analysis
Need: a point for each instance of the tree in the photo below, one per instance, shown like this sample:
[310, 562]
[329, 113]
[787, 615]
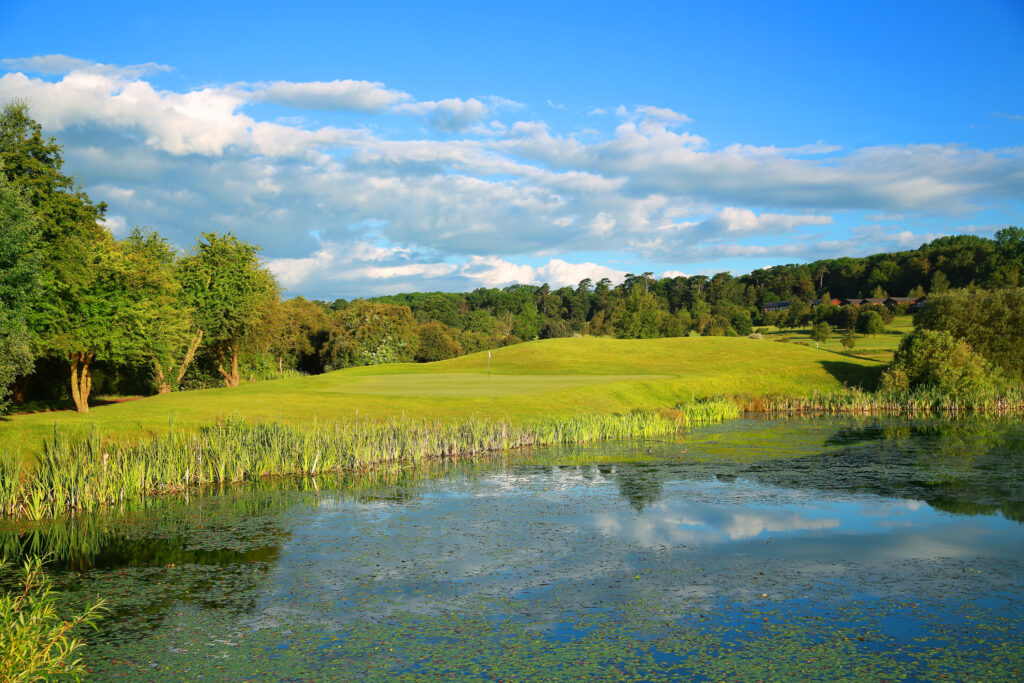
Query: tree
[19, 285]
[849, 340]
[870, 322]
[821, 332]
[936, 360]
[637, 317]
[991, 323]
[226, 286]
[436, 342]
[368, 333]
[70, 317]
[292, 329]
[152, 263]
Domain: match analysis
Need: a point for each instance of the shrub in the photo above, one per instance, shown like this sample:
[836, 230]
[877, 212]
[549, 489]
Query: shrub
[35, 641]
[936, 360]
[991, 322]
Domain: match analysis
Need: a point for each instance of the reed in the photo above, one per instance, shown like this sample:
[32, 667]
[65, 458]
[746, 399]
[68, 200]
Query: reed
[82, 475]
[1007, 403]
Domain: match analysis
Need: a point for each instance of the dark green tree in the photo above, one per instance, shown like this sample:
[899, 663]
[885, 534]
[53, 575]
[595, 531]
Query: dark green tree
[19, 285]
[226, 287]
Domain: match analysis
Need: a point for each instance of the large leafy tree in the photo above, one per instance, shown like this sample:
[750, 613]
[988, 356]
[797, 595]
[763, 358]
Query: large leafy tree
[226, 286]
[166, 320]
[19, 284]
[71, 316]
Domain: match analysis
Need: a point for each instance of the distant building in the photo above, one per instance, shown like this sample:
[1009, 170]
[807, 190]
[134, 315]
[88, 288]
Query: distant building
[912, 303]
[831, 302]
[775, 306]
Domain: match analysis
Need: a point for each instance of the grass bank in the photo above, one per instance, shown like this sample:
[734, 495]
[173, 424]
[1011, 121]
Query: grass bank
[554, 378]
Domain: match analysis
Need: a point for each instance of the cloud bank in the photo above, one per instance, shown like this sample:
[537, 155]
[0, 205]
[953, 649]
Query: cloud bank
[370, 190]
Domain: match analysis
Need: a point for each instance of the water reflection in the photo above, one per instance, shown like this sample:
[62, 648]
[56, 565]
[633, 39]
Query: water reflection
[813, 512]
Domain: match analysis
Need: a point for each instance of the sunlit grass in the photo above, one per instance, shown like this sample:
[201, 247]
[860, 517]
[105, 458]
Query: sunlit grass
[878, 347]
[550, 378]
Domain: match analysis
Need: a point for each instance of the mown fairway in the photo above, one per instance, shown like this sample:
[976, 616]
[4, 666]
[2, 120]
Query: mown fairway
[554, 377]
[879, 347]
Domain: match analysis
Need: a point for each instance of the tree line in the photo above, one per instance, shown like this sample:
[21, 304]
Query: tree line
[83, 313]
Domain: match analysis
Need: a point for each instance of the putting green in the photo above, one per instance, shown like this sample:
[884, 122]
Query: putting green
[472, 384]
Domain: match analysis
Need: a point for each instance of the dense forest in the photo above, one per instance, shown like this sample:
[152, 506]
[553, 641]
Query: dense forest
[84, 314]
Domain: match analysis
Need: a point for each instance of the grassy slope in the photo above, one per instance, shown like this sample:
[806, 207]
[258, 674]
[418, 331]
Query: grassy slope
[879, 347]
[550, 377]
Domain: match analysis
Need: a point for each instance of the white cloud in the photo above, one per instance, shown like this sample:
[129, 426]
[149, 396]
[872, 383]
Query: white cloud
[323, 200]
[117, 225]
[491, 271]
[602, 225]
[361, 96]
[452, 114]
[744, 221]
[674, 273]
[62, 64]
[662, 114]
[558, 273]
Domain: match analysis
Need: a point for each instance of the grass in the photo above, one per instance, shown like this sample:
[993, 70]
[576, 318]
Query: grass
[878, 347]
[549, 378]
[81, 475]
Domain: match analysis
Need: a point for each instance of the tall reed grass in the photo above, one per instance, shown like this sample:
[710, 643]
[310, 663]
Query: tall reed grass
[82, 475]
[917, 402]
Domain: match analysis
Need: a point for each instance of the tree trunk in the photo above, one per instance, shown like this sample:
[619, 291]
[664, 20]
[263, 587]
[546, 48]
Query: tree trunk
[81, 382]
[280, 364]
[230, 379]
[162, 387]
[189, 355]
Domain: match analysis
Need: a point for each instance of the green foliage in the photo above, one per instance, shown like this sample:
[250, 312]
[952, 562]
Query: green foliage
[368, 333]
[226, 286]
[992, 323]
[821, 332]
[35, 641]
[870, 322]
[436, 342]
[637, 317]
[849, 340]
[936, 360]
[19, 285]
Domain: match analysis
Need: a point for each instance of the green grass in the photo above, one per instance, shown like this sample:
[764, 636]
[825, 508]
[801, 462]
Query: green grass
[550, 378]
[870, 347]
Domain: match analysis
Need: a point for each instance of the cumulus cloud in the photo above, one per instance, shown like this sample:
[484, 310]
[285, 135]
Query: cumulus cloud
[559, 273]
[354, 210]
[491, 271]
[452, 114]
[361, 96]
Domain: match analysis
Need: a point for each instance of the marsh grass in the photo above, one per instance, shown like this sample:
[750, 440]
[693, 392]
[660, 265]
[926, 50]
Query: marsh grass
[1009, 402]
[81, 475]
[36, 643]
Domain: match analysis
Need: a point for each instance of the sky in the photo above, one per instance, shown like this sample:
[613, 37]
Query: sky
[377, 148]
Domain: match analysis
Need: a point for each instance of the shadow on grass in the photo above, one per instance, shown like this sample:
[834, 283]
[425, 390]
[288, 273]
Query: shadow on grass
[854, 375]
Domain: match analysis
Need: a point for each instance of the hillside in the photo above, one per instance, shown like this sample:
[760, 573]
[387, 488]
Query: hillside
[549, 377]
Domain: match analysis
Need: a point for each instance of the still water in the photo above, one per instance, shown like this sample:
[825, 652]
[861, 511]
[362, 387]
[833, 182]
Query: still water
[808, 549]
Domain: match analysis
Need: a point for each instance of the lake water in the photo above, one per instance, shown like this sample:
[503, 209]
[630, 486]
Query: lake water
[806, 549]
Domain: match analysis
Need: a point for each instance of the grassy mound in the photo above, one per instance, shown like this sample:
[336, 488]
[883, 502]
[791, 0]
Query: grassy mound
[549, 378]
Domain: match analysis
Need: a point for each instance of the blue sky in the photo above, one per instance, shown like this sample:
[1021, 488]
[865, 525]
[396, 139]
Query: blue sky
[441, 146]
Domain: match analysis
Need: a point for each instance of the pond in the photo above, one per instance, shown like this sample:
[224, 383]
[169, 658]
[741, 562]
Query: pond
[810, 549]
